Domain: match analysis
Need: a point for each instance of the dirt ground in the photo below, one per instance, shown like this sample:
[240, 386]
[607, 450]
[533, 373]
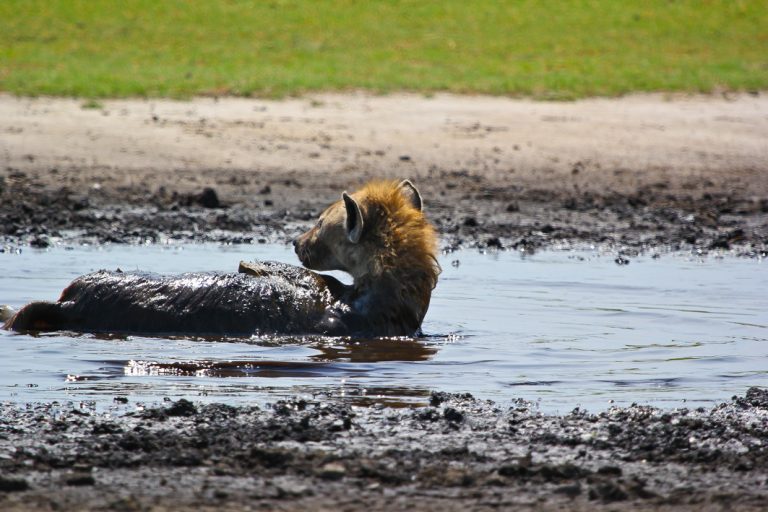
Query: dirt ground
[636, 173]
[642, 173]
[456, 454]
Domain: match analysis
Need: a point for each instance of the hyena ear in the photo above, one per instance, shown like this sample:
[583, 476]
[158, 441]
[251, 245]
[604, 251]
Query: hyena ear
[411, 193]
[354, 222]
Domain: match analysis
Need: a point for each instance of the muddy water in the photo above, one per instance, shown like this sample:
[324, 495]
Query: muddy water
[566, 329]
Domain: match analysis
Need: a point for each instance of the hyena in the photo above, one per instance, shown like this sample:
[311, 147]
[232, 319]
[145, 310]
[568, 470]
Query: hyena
[379, 235]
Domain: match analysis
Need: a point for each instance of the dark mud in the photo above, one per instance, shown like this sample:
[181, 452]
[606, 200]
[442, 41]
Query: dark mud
[469, 210]
[456, 454]
[524, 187]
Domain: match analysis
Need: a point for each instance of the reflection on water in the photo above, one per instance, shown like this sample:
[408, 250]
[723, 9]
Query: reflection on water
[322, 364]
[273, 369]
[375, 350]
[330, 350]
[571, 329]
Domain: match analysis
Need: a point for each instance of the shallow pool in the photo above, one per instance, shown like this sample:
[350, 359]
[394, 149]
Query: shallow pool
[565, 329]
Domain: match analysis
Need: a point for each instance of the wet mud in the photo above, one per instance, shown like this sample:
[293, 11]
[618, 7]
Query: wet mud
[457, 453]
[469, 210]
[645, 171]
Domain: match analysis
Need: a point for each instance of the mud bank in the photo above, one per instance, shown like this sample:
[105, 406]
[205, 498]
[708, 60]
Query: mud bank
[456, 454]
[631, 173]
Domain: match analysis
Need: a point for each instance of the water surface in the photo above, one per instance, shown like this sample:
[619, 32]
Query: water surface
[566, 329]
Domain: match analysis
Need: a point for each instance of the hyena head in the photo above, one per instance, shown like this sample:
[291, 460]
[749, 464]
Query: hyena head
[369, 232]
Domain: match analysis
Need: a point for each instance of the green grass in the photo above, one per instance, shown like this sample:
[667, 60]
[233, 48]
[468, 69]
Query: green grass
[92, 104]
[546, 49]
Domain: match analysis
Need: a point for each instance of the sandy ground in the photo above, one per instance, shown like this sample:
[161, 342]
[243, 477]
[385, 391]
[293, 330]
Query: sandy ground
[647, 170]
[353, 134]
[642, 173]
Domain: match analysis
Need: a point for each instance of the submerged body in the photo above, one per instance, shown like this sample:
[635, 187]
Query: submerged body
[283, 298]
[371, 234]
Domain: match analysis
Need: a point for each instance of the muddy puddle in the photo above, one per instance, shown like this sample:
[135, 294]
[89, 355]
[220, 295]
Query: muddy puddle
[565, 329]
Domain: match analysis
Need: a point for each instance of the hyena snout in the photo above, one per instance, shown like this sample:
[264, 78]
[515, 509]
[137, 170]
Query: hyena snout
[303, 247]
[299, 247]
[314, 253]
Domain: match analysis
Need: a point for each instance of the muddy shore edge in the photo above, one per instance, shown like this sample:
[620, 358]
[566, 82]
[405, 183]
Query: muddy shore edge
[646, 172]
[458, 453]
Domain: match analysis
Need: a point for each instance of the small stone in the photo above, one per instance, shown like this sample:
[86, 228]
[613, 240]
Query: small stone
[570, 490]
[182, 407]
[608, 492]
[13, 484]
[332, 471]
[80, 480]
[452, 415]
[208, 198]
[494, 242]
[40, 242]
[609, 470]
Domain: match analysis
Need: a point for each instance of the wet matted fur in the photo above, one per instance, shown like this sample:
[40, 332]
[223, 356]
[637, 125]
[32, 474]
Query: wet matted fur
[378, 234]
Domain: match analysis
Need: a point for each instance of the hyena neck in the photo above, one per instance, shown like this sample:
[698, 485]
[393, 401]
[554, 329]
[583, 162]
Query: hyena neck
[398, 299]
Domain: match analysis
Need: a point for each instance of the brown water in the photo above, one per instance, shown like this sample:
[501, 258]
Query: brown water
[564, 328]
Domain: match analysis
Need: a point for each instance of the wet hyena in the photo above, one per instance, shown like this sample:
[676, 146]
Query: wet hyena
[378, 234]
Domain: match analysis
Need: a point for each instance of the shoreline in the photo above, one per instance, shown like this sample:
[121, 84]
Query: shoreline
[457, 453]
[632, 173]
